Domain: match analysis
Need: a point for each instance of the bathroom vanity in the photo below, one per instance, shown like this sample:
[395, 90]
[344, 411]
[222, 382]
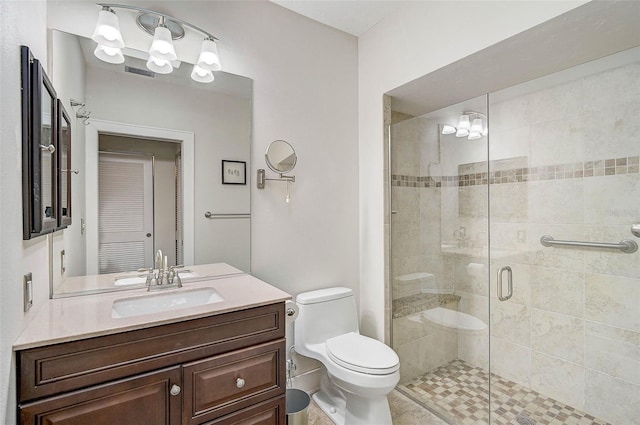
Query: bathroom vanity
[215, 363]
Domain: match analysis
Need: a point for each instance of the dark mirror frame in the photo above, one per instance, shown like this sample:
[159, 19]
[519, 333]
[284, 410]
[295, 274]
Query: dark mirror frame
[35, 85]
[64, 166]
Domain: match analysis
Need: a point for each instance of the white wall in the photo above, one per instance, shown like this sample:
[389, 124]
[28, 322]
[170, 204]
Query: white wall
[20, 24]
[417, 39]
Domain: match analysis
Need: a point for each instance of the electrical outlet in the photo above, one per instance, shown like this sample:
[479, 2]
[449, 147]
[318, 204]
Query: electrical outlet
[27, 281]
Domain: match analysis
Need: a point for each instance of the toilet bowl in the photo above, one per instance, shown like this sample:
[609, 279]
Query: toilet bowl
[360, 371]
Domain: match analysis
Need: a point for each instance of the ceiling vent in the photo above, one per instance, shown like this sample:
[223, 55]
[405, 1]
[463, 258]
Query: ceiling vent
[139, 71]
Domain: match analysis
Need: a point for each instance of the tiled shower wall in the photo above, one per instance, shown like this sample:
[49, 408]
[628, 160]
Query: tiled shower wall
[564, 162]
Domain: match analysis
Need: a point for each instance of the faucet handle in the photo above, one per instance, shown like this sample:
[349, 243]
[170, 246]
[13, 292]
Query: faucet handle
[173, 274]
[149, 273]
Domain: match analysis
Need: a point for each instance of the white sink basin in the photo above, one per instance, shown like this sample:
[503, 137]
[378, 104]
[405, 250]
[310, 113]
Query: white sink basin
[137, 280]
[155, 303]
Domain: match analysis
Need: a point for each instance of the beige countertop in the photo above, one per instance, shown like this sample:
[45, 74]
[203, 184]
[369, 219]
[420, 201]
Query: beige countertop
[74, 318]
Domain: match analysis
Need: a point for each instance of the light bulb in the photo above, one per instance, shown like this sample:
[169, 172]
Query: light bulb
[159, 65]
[201, 75]
[107, 31]
[464, 122]
[162, 46]
[108, 54]
[476, 126]
[209, 58]
[448, 129]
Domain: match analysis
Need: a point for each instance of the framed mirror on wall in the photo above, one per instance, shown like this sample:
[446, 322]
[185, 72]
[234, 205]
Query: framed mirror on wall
[39, 145]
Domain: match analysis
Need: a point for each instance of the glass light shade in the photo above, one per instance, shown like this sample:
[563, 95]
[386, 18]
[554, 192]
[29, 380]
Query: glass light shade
[464, 122]
[201, 75]
[448, 129]
[209, 59]
[162, 46]
[462, 132]
[485, 131]
[476, 126]
[107, 31]
[159, 65]
[474, 135]
[109, 54]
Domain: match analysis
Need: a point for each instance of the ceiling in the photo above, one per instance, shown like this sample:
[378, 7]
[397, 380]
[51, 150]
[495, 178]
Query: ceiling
[354, 17]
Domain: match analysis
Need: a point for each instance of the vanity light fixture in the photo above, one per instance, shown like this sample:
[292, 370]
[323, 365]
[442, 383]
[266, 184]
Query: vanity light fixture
[470, 125]
[164, 29]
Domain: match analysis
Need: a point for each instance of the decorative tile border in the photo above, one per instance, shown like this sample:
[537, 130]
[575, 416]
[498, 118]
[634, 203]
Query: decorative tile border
[578, 170]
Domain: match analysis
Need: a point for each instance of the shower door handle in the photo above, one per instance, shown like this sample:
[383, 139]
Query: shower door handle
[501, 270]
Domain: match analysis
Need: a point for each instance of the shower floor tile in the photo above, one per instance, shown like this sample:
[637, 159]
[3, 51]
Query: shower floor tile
[459, 393]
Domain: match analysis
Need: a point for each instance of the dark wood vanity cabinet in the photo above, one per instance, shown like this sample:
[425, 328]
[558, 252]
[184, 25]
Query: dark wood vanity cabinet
[224, 369]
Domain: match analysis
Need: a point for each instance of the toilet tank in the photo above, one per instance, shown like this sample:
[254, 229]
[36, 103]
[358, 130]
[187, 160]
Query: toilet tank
[324, 313]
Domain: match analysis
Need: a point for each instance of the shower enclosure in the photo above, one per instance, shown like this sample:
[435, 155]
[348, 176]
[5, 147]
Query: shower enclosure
[514, 273]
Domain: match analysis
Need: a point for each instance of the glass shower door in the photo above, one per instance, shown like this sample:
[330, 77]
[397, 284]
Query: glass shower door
[565, 317]
[439, 259]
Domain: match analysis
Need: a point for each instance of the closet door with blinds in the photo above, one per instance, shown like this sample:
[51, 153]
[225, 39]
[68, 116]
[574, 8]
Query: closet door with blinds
[125, 217]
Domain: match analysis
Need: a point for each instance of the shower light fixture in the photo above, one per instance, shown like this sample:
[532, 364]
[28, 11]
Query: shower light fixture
[164, 29]
[470, 125]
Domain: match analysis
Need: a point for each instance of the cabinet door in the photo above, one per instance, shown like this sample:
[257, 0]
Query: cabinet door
[143, 400]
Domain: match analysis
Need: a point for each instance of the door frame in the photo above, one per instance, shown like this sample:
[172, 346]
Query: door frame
[185, 138]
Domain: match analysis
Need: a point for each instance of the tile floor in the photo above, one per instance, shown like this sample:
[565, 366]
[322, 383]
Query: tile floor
[459, 392]
[403, 411]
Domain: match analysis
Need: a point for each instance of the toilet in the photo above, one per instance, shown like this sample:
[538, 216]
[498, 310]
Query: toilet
[360, 371]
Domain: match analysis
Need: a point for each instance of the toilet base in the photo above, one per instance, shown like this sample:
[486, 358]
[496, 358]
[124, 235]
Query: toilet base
[344, 408]
[333, 408]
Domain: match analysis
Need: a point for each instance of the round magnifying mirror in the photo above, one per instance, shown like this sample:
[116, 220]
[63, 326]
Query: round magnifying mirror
[280, 156]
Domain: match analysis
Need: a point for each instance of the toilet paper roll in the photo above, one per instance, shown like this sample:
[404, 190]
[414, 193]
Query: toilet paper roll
[291, 311]
[476, 270]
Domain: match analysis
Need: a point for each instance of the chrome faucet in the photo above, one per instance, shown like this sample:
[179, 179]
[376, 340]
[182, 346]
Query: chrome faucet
[165, 276]
[159, 262]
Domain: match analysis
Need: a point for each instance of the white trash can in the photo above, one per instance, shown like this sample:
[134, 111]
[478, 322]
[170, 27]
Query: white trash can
[297, 407]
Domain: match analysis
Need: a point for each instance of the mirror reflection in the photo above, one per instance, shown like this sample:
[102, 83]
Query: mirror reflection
[148, 162]
[47, 150]
[280, 156]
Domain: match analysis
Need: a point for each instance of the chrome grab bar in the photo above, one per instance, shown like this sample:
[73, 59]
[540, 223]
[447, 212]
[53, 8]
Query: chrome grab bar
[509, 283]
[625, 245]
[212, 216]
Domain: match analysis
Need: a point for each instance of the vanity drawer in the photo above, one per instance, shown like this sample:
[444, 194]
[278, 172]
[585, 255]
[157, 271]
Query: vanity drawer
[70, 366]
[219, 385]
[272, 412]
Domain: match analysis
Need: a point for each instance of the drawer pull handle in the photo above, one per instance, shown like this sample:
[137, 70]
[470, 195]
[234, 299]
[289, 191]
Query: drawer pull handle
[175, 390]
[240, 382]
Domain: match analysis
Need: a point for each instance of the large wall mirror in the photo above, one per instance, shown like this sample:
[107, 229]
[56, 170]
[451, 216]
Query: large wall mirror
[148, 162]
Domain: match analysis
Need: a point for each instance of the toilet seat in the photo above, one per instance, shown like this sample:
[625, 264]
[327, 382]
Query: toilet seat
[362, 354]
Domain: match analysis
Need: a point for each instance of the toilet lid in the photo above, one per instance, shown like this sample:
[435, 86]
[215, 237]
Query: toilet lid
[362, 354]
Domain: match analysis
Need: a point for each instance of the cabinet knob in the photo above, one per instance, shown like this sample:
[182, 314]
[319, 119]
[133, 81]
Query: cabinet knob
[240, 382]
[175, 390]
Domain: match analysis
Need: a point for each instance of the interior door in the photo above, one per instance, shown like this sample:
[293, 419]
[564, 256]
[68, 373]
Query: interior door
[125, 218]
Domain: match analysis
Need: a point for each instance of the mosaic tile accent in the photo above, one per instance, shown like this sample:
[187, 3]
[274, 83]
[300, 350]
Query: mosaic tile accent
[460, 392]
[578, 170]
[420, 302]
